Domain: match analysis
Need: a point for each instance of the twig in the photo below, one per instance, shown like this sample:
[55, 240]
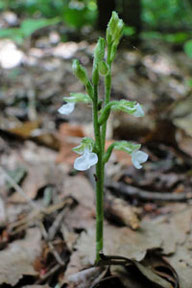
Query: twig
[48, 274]
[51, 247]
[56, 224]
[128, 191]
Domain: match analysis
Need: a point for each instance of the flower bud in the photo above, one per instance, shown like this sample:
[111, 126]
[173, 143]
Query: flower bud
[99, 51]
[118, 31]
[80, 72]
[114, 29]
[111, 26]
[103, 68]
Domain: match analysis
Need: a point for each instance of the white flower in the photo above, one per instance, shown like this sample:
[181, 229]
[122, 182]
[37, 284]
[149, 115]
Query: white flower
[66, 108]
[139, 111]
[85, 161]
[139, 157]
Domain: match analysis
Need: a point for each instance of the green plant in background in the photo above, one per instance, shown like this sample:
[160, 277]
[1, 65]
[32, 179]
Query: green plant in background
[93, 151]
[26, 29]
[188, 48]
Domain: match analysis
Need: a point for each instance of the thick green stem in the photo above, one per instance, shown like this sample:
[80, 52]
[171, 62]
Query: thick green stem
[99, 178]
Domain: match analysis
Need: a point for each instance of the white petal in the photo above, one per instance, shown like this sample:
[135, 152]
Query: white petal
[139, 157]
[85, 161]
[139, 111]
[66, 108]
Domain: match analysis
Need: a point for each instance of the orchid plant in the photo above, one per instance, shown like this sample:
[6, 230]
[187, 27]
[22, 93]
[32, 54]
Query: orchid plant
[92, 151]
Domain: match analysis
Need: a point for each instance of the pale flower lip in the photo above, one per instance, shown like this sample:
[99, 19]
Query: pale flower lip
[85, 161]
[66, 108]
[138, 157]
[139, 111]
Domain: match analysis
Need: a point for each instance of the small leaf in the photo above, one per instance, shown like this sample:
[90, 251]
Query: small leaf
[29, 26]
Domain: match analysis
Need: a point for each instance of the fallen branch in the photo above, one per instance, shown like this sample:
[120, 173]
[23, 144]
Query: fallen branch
[129, 191]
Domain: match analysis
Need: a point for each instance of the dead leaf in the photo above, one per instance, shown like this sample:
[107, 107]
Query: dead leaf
[160, 233]
[17, 260]
[119, 211]
[69, 137]
[81, 190]
[25, 129]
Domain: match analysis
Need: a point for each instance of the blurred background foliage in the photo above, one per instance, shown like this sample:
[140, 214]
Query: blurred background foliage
[166, 20]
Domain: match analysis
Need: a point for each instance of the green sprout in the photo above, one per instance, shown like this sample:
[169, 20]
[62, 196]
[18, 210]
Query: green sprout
[93, 151]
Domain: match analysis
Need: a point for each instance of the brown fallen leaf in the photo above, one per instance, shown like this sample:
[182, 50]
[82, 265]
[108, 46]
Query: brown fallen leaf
[17, 260]
[164, 233]
[119, 211]
[35, 180]
[68, 135]
[83, 215]
[25, 129]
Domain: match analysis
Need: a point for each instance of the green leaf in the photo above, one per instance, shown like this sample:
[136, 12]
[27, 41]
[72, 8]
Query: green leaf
[189, 83]
[14, 34]
[128, 31]
[29, 26]
[188, 48]
[78, 17]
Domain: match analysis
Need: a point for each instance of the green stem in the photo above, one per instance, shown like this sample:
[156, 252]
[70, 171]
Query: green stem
[99, 178]
[105, 112]
[107, 93]
[107, 99]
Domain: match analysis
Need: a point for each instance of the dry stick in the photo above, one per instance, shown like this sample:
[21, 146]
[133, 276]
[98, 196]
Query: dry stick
[51, 247]
[48, 274]
[56, 224]
[131, 191]
[32, 204]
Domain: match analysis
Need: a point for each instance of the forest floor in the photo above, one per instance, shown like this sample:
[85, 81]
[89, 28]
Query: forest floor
[47, 209]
